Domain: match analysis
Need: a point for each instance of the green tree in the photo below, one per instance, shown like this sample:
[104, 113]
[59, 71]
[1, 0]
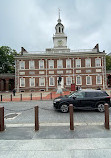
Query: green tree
[108, 62]
[7, 64]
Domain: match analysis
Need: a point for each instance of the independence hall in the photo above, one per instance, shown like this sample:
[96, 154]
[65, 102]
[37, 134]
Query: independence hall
[39, 71]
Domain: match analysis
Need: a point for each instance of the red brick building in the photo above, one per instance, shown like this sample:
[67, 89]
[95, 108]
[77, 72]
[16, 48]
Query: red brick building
[40, 71]
[7, 82]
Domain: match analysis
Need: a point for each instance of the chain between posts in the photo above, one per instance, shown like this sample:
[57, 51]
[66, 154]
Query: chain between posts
[80, 108]
[18, 110]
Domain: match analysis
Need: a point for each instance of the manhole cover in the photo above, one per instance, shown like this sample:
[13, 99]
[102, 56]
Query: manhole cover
[10, 116]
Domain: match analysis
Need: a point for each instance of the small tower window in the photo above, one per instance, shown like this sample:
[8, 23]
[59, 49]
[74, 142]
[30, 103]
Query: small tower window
[59, 29]
[62, 30]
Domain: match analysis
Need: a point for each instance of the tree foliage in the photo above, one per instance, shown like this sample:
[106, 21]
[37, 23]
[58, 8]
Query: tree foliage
[7, 64]
[108, 62]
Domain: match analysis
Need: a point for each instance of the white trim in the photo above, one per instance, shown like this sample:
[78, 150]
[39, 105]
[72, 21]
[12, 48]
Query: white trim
[96, 65]
[90, 80]
[30, 82]
[68, 63]
[53, 81]
[22, 80]
[80, 80]
[76, 61]
[30, 64]
[42, 82]
[67, 83]
[100, 79]
[61, 65]
[20, 66]
[86, 60]
[50, 66]
[41, 64]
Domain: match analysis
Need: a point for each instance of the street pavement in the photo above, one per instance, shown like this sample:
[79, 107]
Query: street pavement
[54, 138]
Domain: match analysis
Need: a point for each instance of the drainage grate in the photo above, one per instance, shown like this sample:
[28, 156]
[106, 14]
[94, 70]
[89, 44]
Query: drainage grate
[11, 116]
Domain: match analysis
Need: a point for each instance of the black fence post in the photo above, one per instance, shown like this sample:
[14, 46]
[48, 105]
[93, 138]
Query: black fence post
[2, 119]
[106, 107]
[11, 97]
[36, 118]
[20, 97]
[41, 96]
[1, 97]
[51, 96]
[71, 117]
[31, 96]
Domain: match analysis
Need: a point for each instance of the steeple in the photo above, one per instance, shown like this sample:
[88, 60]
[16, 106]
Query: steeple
[59, 27]
[59, 20]
[59, 39]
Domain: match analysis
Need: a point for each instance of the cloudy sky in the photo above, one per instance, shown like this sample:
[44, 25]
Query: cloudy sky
[31, 23]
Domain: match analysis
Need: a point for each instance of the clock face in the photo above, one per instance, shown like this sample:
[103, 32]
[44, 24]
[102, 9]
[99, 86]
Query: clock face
[60, 42]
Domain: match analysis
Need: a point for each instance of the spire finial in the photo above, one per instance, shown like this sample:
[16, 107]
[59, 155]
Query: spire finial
[59, 20]
[59, 12]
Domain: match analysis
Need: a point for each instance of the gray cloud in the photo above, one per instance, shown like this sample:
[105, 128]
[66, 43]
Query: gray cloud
[31, 23]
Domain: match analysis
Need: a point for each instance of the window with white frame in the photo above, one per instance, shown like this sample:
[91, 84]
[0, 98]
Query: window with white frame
[51, 81]
[41, 81]
[88, 80]
[68, 63]
[98, 62]
[22, 82]
[51, 64]
[31, 64]
[41, 64]
[78, 80]
[22, 64]
[68, 80]
[78, 62]
[32, 82]
[87, 62]
[59, 64]
[98, 79]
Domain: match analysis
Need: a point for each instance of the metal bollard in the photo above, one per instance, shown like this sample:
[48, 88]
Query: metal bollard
[31, 96]
[11, 97]
[41, 96]
[1, 118]
[51, 96]
[71, 117]
[1, 97]
[106, 107]
[20, 97]
[36, 118]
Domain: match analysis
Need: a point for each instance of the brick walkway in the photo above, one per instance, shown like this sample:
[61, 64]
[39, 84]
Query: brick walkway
[7, 97]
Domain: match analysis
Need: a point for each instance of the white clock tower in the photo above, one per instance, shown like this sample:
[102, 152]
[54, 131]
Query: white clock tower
[59, 39]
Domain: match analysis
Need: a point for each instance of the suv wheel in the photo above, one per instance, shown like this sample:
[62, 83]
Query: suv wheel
[100, 107]
[64, 108]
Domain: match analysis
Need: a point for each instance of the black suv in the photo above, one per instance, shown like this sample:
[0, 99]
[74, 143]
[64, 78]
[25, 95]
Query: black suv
[83, 99]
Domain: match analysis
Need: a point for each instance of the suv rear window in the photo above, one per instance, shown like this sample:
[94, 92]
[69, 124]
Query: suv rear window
[101, 94]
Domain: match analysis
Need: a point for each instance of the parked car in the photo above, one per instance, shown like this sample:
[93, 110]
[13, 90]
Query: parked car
[83, 99]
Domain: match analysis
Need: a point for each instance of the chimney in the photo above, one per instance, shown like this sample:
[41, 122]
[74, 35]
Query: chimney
[97, 47]
[23, 50]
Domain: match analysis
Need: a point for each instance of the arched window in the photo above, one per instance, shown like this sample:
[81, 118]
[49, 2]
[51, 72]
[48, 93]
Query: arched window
[59, 29]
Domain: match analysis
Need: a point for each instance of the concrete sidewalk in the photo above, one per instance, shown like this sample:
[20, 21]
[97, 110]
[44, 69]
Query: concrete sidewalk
[56, 148]
[87, 141]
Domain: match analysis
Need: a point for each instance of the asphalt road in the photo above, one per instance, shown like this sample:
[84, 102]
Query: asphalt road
[25, 111]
